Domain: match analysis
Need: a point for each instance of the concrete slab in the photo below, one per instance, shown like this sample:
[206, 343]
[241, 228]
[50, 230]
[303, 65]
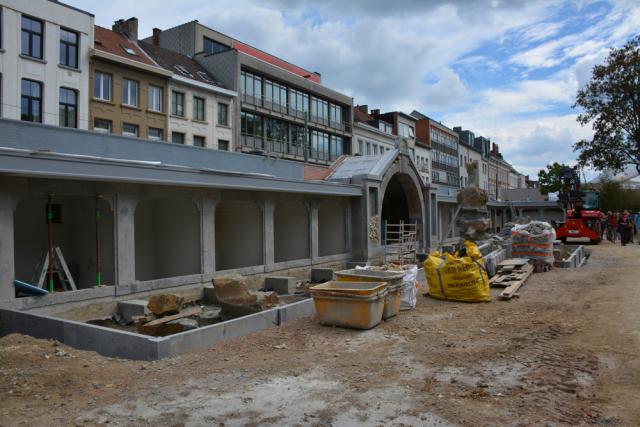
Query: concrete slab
[282, 285]
[135, 307]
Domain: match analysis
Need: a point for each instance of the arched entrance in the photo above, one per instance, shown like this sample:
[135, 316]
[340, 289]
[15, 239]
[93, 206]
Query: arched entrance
[402, 203]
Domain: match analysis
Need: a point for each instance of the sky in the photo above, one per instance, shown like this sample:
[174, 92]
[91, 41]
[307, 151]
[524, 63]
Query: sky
[506, 69]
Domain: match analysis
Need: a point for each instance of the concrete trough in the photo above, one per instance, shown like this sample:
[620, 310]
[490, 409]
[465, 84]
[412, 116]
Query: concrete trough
[129, 345]
[576, 259]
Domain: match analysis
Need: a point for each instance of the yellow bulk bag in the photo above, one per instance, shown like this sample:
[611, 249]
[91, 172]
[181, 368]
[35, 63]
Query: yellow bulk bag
[458, 278]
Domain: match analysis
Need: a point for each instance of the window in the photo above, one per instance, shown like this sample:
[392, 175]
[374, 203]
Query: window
[275, 95]
[101, 125]
[129, 51]
[31, 37]
[298, 103]
[198, 109]
[177, 103]
[155, 134]
[319, 111]
[360, 147]
[223, 145]
[68, 108]
[320, 144]
[212, 46]
[155, 98]
[337, 147]
[406, 130]
[68, 48]
[335, 116]
[276, 130]
[251, 87]
[129, 129]
[198, 141]
[31, 101]
[251, 125]
[223, 114]
[130, 92]
[375, 150]
[102, 86]
[177, 137]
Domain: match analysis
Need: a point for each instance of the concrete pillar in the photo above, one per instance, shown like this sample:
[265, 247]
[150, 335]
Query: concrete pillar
[125, 249]
[208, 230]
[7, 262]
[347, 228]
[268, 208]
[541, 213]
[314, 242]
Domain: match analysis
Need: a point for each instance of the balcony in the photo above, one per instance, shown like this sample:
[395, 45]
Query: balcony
[264, 105]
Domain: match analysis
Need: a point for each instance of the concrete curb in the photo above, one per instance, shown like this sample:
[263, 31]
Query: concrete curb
[128, 345]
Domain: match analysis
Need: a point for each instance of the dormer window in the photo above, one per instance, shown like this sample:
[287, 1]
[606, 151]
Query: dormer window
[204, 76]
[129, 51]
[183, 70]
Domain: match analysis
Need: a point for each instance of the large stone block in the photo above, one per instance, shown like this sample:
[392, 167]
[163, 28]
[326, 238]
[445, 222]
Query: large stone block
[164, 304]
[321, 275]
[132, 308]
[282, 285]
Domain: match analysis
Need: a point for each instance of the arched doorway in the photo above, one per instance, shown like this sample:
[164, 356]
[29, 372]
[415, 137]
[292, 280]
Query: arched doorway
[401, 202]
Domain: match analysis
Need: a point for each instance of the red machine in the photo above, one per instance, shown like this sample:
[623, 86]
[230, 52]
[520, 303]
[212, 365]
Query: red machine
[582, 209]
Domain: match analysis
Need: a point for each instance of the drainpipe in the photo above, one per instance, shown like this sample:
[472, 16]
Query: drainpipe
[306, 133]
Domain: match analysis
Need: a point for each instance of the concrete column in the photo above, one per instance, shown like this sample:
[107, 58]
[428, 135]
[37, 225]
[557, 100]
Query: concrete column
[347, 228]
[125, 249]
[208, 230]
[541, 213]
[7, 262]
[268, 237]
[314, 242]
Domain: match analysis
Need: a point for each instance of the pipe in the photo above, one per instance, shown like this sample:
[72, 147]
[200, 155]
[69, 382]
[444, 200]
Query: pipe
[50, 239]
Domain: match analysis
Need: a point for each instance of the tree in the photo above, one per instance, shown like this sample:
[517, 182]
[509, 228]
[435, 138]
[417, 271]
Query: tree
[611, 103]
[615, 198]
[549, 180]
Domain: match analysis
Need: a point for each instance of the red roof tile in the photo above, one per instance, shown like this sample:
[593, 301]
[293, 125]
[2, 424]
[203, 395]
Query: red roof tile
[115, 43]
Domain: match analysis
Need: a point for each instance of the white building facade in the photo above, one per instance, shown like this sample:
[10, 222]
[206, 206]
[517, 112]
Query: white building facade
[207, 116]
[44, 62]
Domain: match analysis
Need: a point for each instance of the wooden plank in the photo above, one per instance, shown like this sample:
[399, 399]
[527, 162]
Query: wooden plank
[510, 291]
[513, 261]
[186, 313]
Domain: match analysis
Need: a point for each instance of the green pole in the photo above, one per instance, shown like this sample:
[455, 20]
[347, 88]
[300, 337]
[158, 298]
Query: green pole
[306, 140]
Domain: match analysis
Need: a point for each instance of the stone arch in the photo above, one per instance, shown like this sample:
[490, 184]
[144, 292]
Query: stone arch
[401, 197]
[167, 238]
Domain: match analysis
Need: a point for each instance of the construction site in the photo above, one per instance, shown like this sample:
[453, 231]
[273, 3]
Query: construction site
[194, 231]
[301, 302]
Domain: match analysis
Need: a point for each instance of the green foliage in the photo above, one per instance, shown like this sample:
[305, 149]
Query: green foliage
[549, 180]
[611, 104]
[615, 198]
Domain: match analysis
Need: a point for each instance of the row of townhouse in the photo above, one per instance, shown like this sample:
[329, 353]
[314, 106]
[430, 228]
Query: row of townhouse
[195, 86]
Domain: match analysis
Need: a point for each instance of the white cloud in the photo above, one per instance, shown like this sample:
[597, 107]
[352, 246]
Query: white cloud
[411, 54]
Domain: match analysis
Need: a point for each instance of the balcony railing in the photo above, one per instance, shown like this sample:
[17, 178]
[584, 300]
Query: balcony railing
[284, 148]
[268, 104]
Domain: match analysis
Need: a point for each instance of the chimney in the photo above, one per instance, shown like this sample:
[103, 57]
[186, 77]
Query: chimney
[363, 108]
[155, 39]
[128, 28]
[375, 114]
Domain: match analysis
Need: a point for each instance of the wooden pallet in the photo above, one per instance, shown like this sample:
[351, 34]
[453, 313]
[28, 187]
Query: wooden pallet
[511, 275]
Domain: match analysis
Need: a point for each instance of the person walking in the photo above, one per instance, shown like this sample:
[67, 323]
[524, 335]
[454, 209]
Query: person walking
[623, 227]
[603, 225]
[613, 226]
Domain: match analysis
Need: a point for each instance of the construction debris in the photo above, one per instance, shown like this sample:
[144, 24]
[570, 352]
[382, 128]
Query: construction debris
[534, 241]
[164, 325]
[164, 304]
[511, 274]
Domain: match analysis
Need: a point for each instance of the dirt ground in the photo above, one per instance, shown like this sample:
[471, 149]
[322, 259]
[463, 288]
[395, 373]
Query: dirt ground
[567, 352]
